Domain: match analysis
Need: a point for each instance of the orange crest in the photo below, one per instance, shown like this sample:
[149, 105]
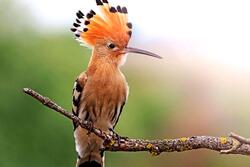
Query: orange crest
[111, 24]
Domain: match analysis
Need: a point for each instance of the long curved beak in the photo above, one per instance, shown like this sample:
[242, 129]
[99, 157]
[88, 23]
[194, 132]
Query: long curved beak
[140, 51]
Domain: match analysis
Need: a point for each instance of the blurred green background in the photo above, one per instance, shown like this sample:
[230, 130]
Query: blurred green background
[166, 100]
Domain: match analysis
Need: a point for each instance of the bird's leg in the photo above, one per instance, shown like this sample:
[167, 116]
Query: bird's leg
[113, 133]
[116, 136]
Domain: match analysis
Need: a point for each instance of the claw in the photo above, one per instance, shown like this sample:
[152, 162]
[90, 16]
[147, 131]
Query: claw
[117, 137]
[113, 133]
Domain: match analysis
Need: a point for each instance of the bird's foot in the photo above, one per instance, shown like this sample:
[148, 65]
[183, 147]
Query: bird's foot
[120, 139]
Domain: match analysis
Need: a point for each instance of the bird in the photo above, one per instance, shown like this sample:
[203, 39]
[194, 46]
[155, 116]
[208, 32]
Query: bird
[101, 91]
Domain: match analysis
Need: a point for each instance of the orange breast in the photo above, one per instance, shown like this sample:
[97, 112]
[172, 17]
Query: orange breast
[104, 95]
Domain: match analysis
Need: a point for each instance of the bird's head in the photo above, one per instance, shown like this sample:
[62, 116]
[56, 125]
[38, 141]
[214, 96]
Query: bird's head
[107, 32]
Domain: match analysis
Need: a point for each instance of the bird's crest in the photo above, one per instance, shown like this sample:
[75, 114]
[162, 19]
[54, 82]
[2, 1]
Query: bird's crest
[110, 23]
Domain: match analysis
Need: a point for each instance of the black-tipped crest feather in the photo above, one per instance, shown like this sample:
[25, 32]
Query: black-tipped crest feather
[119, 8]
[79, 15]
[73, 29]
[76, 25]
[89, 16]
[92, 12]
[86, 22]
[124, 10]
[78, 21]
[112, 10]
[130, 26]
[105, 1]
[99, 2]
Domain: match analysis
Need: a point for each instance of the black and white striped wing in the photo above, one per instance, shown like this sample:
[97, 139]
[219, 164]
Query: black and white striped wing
[119, 108]
[77, 93]
[117, 114]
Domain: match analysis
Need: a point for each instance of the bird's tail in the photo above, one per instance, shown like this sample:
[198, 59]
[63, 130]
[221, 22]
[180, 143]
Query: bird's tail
[88, 147]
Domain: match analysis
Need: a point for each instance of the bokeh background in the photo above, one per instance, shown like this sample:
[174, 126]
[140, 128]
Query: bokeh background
[201, 87]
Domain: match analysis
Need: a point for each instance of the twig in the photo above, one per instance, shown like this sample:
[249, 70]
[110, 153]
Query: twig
[234, 144]
[49, 103]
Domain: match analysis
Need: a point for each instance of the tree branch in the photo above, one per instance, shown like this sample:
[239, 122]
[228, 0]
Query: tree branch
[234, 144]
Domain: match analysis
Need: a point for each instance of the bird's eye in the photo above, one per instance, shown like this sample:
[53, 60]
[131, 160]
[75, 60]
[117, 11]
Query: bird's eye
[111, 46]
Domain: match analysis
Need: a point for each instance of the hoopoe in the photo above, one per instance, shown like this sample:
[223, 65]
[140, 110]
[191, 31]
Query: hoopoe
[100, 92]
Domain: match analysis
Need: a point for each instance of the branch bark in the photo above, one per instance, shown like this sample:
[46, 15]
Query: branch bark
[234, 144]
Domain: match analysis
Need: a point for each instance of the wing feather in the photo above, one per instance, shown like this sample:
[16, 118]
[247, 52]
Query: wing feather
[78, 89]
